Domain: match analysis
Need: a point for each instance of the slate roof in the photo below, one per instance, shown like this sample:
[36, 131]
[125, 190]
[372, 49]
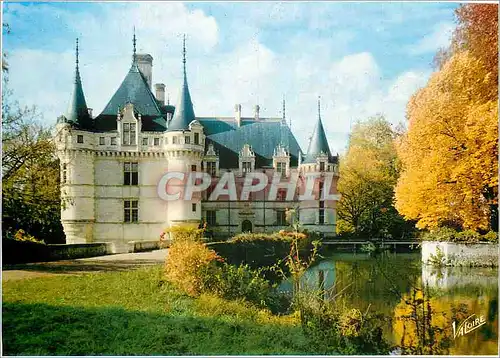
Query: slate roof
[318, 144]
[134, 89]
[78, 112]
[263, 136]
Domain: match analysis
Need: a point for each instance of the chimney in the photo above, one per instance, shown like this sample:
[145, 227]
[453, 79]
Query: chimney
[237, 114]
[160, 93]
[90, 112]
[145, 63]
[257, 110]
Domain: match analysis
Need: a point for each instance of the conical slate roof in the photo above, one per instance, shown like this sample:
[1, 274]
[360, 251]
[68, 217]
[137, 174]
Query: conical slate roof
[78, 112]
[134, 89]
[318, 144]
[184, 112]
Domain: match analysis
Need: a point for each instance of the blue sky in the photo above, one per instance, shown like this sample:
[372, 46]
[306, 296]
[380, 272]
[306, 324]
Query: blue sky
[362, 58]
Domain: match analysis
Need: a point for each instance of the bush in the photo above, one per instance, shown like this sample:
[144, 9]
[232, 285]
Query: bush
[189, 266]
[446, 234]
[241, 282]
[341, 330]
[491, 236]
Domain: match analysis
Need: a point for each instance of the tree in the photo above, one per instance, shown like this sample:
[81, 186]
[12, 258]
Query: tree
[368, 174]
[30, 172]
[450, 154]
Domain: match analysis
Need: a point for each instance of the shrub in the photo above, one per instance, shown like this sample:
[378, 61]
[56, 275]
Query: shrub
[241, 282]
[467, 236]
[189, 266]
[446, 234]
[491, 236]
[341, 330]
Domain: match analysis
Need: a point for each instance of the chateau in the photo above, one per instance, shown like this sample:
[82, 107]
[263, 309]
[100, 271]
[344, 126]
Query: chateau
[111, 165]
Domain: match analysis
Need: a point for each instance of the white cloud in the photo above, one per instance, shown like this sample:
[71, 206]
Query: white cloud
[351, 86]
[439, 37]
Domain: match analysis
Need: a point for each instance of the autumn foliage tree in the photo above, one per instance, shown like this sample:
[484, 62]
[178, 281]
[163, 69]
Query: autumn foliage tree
[368, 174]
[450, 152]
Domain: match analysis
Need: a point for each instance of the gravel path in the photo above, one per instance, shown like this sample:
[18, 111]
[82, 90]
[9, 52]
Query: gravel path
[118, 262]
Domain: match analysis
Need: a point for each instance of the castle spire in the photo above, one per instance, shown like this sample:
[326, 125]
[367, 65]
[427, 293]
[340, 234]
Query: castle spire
[78, 112]
[184, 55]
[134, 54]
[318, 144]
[283, 119]
[184, 112]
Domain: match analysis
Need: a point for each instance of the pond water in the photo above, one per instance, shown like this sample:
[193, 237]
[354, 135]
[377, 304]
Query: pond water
[385, 283]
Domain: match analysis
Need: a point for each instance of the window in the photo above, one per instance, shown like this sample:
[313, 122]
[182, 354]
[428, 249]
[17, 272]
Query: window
[193, 167]
[130, 211]
[280, 218]
[157, 141]
[211, 168]
[320, 191]
[130, 173]
[197, 138]
[247, 167]
[193, 207]
[102, 140]
[210, 189]
[64, 173]
[113, 140]
[281, 195]
[187, 140]
[281, 168]
[321, 166]
[129, 134]
[174, 140]
[144, 141]
[211, 217]
[79, 138]
[321, 212]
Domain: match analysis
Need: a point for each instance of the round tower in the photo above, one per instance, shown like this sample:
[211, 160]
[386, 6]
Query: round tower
[185, 144]
[75, 150]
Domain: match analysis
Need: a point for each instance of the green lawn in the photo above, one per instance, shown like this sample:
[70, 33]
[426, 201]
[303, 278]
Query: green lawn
[135, 313]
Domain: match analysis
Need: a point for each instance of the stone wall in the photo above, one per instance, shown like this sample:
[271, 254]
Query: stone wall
[457, 254]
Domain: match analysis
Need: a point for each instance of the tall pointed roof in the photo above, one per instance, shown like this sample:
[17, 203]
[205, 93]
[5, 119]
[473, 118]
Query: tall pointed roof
[184, 112]
[134, 89]
[78, 112]
[318, 144]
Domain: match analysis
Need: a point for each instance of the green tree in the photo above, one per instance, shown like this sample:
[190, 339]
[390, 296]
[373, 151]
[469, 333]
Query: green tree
[368, 174]
[30, 171]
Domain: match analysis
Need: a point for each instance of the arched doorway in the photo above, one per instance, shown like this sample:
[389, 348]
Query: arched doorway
[246, 226]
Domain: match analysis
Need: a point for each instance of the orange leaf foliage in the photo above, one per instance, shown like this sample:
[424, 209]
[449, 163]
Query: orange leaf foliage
[450, 155]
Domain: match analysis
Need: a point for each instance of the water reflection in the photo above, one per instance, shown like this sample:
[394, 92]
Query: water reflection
[387, 283]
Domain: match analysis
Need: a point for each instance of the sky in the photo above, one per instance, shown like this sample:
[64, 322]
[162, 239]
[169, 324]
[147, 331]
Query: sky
[363, 59]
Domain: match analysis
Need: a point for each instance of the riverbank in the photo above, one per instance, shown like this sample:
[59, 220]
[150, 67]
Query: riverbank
[136, 313]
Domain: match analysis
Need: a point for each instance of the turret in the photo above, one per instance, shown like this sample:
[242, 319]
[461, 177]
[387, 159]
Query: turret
[78, 113]
[185, 147]
[75, 144]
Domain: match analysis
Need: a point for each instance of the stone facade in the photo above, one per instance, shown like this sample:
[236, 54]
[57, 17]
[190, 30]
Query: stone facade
[457, 254]
[110, 170]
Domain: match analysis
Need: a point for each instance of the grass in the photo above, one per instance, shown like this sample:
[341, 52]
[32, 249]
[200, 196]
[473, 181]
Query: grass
[136, 313]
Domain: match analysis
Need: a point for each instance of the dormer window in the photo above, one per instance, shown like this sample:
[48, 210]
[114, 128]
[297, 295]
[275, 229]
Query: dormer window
[197, 138]
[246, 167]
[281, 168]
[321, 166]
[129, 130]
[187, 140]
[246, 160]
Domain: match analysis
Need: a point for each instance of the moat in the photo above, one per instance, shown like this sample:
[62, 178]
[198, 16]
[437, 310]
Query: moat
[383, 283]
